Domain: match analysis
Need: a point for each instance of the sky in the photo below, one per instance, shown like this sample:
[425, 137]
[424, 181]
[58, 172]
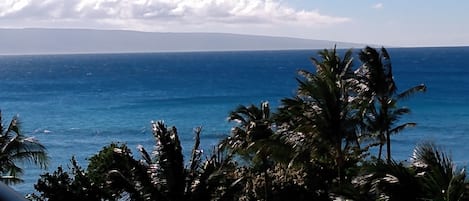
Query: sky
[385, 22]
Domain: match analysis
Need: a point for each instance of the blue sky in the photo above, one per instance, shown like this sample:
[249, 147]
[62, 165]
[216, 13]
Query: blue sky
[388, 23]
[396, 22]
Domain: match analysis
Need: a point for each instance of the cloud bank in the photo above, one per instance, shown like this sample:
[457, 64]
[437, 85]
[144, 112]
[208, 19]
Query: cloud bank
[158, 15]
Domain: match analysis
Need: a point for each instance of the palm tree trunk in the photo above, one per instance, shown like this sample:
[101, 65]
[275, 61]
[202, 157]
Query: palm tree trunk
[388, 146]
[382, 141]
[340, 159]
[380, 151]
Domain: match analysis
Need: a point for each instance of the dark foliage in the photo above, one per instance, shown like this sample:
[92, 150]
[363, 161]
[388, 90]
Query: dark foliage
[74, 185]
[314, 147]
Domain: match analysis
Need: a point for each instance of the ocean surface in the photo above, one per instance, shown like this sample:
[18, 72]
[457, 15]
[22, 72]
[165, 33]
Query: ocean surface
[76, 104]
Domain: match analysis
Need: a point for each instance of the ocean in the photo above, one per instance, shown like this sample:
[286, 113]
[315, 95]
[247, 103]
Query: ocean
[76, 104]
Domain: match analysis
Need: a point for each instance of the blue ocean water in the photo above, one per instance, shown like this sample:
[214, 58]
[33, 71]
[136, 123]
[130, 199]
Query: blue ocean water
[76, 104]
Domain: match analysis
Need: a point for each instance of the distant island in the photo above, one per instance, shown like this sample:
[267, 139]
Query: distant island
[72, 41]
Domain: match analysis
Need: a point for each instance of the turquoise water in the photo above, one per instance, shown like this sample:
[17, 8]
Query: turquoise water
[76, 104]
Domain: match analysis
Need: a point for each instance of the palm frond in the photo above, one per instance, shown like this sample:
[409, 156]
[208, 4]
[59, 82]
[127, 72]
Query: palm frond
[457, 187]
[26, 149]
[400, 111]
[170, 160]
[2, 128]
[195, 162]
[400, 128]
[196, 151]
[306, 74]
[9, 179]
[144, 154]
[411, 91]
[16, 148]
[387, 70]
[428, 154]
[14, 126]
[440, 179]
[392, 180]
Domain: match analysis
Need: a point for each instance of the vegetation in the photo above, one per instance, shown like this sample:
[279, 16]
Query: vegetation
[16, 148]
[384, 112]
[316, 146]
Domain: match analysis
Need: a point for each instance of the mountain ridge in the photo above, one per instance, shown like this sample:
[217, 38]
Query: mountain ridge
[72, 41]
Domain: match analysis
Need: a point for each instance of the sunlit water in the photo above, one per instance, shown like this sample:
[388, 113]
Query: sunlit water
[76, 104]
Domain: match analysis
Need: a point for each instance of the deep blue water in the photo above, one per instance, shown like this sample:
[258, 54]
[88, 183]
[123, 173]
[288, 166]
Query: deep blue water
[76, 104]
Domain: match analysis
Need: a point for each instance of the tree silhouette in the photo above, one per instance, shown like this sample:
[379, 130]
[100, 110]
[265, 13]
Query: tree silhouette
[384, 112]
[16, 148]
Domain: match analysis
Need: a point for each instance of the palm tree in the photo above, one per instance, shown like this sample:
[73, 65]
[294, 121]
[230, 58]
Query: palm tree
[431, 175]
[16, 148]
[114, 174]
[118, 174]
[441, 179]
[253, 139]
[322, 115]
[252, 132]
[161, 174]
[384, 113]
[392, 181]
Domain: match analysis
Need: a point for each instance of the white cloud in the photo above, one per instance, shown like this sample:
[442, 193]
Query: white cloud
[158, 14]
[10, 7]
[378, 6]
